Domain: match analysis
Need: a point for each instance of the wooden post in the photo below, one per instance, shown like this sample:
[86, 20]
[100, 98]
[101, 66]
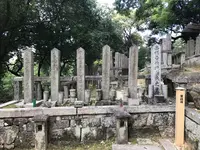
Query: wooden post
[180, 116]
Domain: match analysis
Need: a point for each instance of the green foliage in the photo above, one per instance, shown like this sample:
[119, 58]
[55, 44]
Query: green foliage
[163, 15]
[179, 46]
[45, 24]
[143, 57]
[128, 25]
[6, 88]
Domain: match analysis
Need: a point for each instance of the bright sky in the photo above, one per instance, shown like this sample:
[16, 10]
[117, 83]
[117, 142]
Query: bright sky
[106, 2]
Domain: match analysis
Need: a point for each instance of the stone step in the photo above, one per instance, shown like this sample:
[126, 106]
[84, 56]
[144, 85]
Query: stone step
[135, 147]
[167, 144]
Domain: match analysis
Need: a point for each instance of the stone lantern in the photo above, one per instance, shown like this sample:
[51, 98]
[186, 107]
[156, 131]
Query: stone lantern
[122, 126]
[40, 132]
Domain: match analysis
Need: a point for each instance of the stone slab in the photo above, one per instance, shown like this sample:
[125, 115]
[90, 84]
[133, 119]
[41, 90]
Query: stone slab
[167, 144]
[135, 147]
[193, 115]
[88, 110]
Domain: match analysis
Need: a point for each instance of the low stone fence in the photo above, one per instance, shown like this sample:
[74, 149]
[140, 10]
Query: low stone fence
[68, 124]
[192, 128]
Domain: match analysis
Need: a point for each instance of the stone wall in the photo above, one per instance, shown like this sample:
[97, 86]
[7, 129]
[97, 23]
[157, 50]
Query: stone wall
[67, 125]
[192, 128]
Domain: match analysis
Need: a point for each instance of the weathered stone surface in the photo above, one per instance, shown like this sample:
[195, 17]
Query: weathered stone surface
[195, 95]
[133, 72]
[161, 119]
[80, 74]
[106, 72]
[60, 124]
[8, 134]
[156, 69]
[91, 122]
[17, 85]
[167, 131]
[40, 118]
[108, 121]
[55, 74]
[167, 144]
[28, 75]
[1, 123]
[171, 119]
[18, 121]
[139, 120]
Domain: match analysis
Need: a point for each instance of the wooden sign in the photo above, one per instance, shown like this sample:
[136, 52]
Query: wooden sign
[180, 116]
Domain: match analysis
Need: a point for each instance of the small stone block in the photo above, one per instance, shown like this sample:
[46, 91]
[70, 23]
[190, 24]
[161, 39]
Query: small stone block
[78, 104]
[133, 102]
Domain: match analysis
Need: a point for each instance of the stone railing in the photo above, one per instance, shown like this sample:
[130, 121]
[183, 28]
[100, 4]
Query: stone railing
[68, 124]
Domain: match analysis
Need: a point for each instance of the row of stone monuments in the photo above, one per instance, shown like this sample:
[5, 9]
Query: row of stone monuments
[118, 73]
[123, 69]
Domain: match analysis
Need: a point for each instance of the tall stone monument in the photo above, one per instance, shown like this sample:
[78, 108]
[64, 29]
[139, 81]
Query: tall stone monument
[28, 75]
[80, 74]
[132, 74]
[106, 72]
[55, 74]
[155, 87]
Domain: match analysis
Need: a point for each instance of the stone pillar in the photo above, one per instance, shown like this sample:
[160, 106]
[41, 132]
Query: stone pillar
[168, 48]
[133, 72]
[17, 90]
[61, 98]
[28, 75]
[150, 92]
[46, 96]
[165, 91]
[165, 49]
[106, 72]
[197, 46]
[87, 96]
[66, 92]
[80, 54]
[38, 90]
[111, 65]
[156, 69]
[116, 63]
[182, 59]
[41, 137]
[55, 74]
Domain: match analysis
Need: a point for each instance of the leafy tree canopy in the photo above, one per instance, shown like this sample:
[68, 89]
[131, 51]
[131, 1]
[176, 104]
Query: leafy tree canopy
[45, 24]
[162, 15]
